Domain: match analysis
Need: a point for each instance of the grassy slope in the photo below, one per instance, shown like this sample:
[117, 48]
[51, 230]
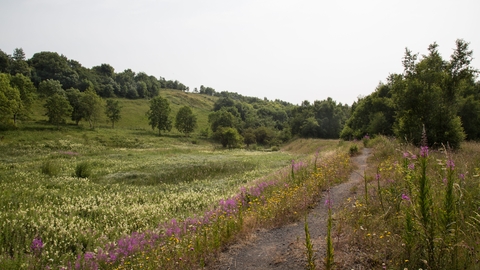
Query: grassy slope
[133, 112]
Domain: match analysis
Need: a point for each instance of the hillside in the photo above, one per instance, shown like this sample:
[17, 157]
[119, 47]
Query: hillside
[133, 112]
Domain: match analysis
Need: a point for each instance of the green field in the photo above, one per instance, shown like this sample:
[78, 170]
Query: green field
[79, 189]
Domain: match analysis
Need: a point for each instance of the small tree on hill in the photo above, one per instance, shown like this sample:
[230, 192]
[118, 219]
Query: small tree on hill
[112, 110]
[185, 121]
[92, 105]
[159, 115]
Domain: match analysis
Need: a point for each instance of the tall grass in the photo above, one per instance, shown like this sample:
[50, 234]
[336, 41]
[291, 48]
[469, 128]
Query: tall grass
[430, 201]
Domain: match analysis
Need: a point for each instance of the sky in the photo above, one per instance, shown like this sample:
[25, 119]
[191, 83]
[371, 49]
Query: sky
[292, 50]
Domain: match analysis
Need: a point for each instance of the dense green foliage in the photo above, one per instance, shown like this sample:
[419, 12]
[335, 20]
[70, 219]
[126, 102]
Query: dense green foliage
[439, 96]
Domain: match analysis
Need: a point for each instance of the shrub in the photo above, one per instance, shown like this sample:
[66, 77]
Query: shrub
[353, 150]
[83, 170]
[50, 168]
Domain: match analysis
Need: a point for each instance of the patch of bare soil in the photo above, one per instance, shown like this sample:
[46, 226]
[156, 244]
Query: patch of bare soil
[284, 247]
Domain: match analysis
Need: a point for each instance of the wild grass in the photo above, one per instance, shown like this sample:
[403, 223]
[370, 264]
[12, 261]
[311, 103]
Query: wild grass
[422, 209]
[111, 198]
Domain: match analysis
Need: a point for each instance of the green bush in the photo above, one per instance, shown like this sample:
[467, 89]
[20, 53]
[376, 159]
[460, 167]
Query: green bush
[353, 150]
[50, 168]
[83, 170]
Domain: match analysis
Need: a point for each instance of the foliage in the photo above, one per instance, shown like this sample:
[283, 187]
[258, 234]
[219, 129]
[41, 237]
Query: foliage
[159, 114]
[112, 110]
[83, 169]
[228, 137]
[185, 121]
[58, 108]
[432, 94]
[91, 105]
[10, 99]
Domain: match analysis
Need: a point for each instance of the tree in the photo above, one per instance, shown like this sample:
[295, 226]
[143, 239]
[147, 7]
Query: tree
[249, 137]
[92, 106]
[159, 114]
[74, 97]
[27, 95]
[58, 108]
[49, 87]
[112, 110]
[4, 62]
[222, 118]
[425, 98]
[185, 121]
[228, 137]
[9, 97]
[18, 63]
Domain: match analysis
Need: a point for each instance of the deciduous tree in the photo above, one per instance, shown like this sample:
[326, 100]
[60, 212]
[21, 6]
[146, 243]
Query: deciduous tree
[185, 121]
[159, 114]
[112, 110]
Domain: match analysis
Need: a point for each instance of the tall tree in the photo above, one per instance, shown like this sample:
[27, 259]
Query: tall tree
[159, 114]
[421, 100]
[19, 63]
[185, 121]
[112, 110]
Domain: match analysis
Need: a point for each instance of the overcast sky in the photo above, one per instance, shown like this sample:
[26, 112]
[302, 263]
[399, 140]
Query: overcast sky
[278, 49]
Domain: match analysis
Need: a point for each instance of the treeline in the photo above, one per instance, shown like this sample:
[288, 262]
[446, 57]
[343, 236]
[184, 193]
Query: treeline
[71, 91]
[438, 97]
[237, 119]
[71, 74]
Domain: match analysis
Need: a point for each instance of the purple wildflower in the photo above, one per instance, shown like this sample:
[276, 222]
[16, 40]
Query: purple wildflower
[411, 166]
[406, 155]
[424, 151]
[461, 176]
[450, 164]
[36, 246]
[405, 197]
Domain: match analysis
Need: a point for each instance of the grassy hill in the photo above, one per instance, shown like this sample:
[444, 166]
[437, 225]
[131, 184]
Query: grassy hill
[134, 112]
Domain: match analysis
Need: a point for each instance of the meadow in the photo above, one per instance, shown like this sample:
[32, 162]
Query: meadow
[80, 198]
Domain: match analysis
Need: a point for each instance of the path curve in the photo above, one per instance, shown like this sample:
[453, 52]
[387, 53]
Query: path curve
[283, 248]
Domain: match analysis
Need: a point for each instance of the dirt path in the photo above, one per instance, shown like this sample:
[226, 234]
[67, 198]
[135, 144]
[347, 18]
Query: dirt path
[284, 247]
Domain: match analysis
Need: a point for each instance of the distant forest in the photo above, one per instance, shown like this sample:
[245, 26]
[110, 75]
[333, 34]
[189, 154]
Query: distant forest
[434, 97]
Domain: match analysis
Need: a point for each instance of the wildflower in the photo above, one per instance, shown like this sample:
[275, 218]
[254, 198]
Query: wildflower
[405, 155]
[450, 164]
[414, 156]
[405, 197]
[461, 176]
[424, 151]
[36, 246]
[377, 176]
[411, 166]
[328, 203]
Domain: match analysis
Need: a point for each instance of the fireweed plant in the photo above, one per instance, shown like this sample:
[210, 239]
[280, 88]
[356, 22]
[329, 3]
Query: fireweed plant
[427, 214]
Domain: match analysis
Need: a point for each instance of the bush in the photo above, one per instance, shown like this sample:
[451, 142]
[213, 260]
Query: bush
[353, 150]
[83, 170]
[50, 168]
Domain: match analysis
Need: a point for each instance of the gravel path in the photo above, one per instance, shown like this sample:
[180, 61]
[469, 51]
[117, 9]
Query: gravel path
[284, 248]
